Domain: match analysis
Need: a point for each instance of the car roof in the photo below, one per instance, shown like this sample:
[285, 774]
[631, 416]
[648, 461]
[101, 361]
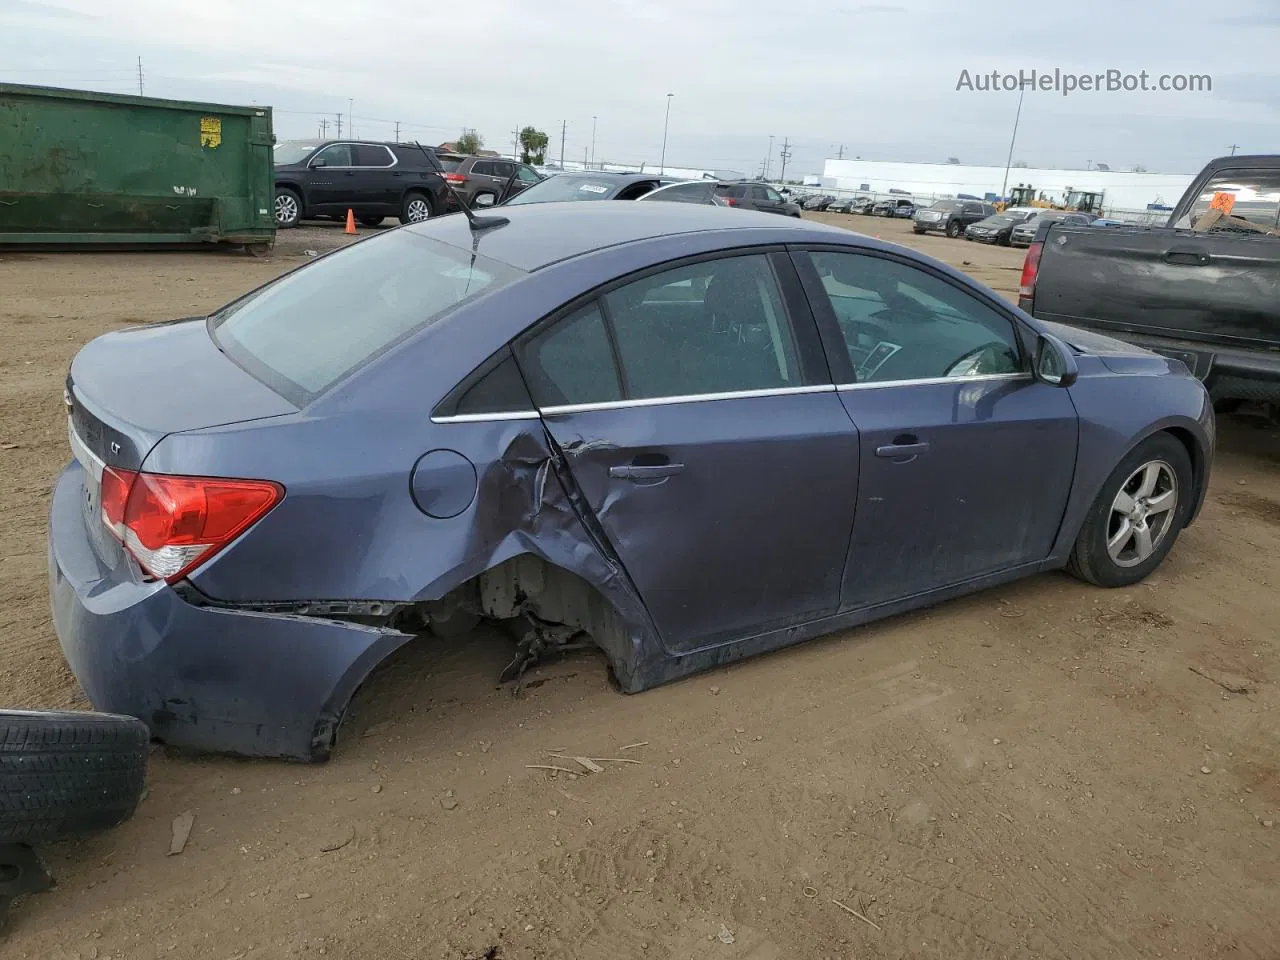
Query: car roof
[540, 234]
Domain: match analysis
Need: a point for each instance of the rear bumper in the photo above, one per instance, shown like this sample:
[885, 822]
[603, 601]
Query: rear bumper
[239, 682]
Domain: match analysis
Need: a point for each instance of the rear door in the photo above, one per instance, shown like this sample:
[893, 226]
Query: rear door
[966, 460]
[376, 185]
[694, 409]
[526, 177]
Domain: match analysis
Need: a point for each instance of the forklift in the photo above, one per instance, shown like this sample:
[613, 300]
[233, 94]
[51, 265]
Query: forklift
[1084, 201]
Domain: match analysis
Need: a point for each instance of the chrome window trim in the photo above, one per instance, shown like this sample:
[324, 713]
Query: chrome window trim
[395, 160]
[982, 377]
[686, 398]
[487, 417]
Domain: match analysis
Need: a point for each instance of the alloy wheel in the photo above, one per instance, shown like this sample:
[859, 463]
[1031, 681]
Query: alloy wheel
[1142, 513]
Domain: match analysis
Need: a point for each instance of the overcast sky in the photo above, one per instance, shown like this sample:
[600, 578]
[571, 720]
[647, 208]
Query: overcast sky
[878, 78]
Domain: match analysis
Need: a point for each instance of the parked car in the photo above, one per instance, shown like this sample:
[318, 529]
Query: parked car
[568, 425]
[999, 227]
[894, 207]
[756, 196]
[1199, 292]
[862, 205]
[485, 181]
[326, 178]
[595, 185]
[818, 203]
[1025, 232]
[687, 191]
[951, 216]
[840, 206]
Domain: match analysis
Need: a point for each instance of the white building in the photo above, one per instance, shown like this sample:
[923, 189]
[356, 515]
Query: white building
[1122, 191]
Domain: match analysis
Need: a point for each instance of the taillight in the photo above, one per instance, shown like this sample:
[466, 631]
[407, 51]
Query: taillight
[1030, 267]
[730, 201]
[171, 524]
[455, 177]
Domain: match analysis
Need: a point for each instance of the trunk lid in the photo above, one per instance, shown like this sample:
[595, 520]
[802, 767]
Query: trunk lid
[129, 389]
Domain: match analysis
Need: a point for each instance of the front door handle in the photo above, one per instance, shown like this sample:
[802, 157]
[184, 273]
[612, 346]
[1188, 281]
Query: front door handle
[633, 471]
[902, 452]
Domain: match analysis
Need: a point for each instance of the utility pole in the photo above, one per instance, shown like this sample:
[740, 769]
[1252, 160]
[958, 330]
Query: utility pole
[1234, 146]
[768, 159]
[840, 153]
[324, 128]
[564, 130]
[515, 143]
[397, 131]
[339, 126]
[593, 140]
[351, 116]
[139, 76]
[785, 154]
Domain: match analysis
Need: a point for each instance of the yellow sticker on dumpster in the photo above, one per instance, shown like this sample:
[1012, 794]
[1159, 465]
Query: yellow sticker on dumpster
[210, 131]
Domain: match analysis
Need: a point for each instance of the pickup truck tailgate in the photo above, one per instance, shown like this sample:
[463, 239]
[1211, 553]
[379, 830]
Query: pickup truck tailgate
[1219, 287]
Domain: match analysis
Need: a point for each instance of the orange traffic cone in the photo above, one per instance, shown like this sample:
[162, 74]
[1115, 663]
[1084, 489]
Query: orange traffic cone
[351, 221]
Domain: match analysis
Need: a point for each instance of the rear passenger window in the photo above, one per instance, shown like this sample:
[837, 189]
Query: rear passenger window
[572, 361]
[902, 323]
[369, 155]
[718, 326]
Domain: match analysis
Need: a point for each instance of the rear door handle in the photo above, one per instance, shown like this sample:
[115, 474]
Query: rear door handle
[902, 451]
[659, 471]
[1187, 258]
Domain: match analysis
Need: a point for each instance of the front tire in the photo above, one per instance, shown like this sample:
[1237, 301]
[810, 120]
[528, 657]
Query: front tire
[1137, 516]
[416, 208]
[953, 229]
[288, 208]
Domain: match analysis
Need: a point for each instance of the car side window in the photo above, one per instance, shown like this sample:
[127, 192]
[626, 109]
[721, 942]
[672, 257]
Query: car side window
[502, 168]
[482, 168]
[759, 193]
[371, 155]
[527, 175]
[901, 323]
[499, 390]
[772, 194]
[571, 361]
[335, 155]
[717, 326]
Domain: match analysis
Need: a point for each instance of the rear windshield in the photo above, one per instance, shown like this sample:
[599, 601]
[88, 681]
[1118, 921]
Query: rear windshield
[568, 187]
[449, 165]
[306, 331]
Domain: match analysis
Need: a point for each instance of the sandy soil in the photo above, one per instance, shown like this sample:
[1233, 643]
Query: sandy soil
[1047, 770]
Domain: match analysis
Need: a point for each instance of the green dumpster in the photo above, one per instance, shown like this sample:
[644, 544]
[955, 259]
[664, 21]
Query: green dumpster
[83, 168]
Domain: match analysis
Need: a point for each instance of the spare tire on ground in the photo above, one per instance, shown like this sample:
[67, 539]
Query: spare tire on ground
[68, 773]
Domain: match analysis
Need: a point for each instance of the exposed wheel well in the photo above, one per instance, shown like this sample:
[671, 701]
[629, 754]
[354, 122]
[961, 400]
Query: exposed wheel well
[528, 584]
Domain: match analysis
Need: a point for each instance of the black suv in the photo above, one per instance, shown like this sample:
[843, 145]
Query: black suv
[481, 181]
[326, 178]
[951, 216]
[756, 196]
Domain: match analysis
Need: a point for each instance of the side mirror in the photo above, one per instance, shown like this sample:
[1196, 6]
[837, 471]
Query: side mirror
[1054, 363]
[483, 200]
[319, 162]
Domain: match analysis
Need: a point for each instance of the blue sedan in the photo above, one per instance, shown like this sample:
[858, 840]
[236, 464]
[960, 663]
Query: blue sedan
[677, 433]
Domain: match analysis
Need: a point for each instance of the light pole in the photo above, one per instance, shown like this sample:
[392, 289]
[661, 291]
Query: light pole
[351, 121]
[1022, 89]
[662, 164]
[593, 141]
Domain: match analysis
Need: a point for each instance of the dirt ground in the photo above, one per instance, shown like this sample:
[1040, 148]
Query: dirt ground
[1046, 770]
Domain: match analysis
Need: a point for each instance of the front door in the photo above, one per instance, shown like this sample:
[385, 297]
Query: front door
[694, 411]
[966, 461]
[328, 179]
